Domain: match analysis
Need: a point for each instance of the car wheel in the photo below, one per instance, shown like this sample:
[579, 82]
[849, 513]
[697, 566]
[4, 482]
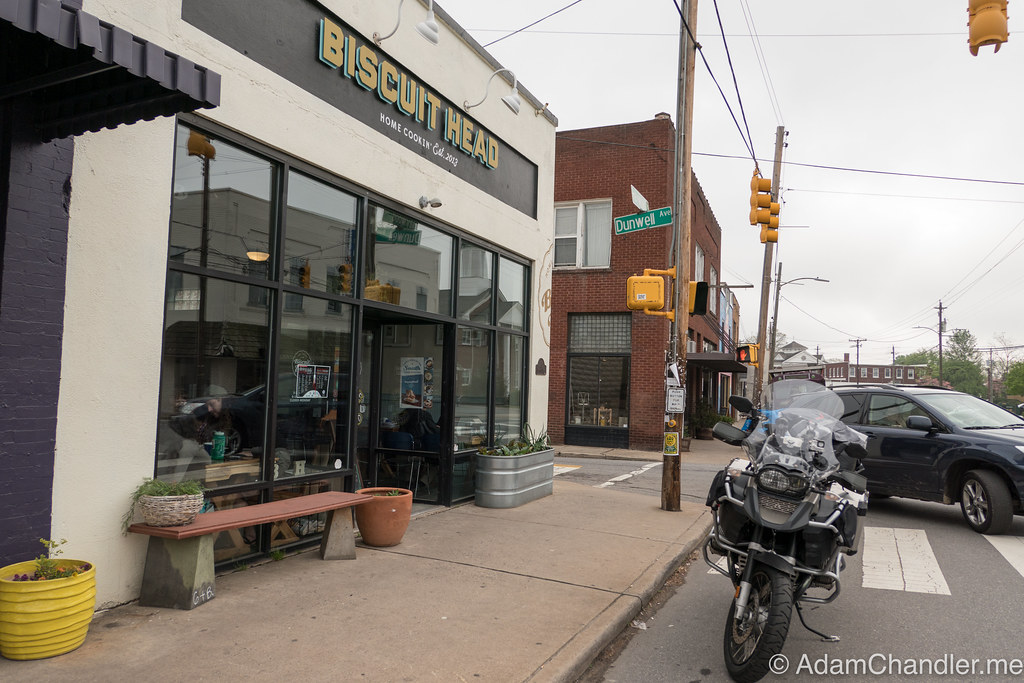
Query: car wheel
[985, 502]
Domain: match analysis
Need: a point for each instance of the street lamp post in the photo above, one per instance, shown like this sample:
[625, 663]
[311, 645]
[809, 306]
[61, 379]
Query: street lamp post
[779, 284]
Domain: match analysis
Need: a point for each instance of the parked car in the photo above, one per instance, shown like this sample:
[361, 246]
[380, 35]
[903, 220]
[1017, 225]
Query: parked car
[939, 445]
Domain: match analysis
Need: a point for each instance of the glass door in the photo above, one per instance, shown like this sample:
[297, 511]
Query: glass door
[402, 423]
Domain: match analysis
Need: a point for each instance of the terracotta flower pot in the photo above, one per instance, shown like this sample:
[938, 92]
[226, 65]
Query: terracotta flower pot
[382, 521]
[41, 619]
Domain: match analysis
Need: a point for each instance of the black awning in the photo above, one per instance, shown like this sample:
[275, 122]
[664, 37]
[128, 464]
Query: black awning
[719, 362]
[82, 74]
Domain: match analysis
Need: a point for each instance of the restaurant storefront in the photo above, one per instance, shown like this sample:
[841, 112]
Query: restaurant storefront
[335, 272]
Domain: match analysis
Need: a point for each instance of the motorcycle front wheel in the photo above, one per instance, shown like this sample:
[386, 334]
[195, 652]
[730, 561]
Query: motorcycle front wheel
[752, 641]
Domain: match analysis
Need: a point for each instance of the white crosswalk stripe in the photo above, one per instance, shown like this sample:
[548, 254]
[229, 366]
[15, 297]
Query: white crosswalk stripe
[901, 559]
[562, 469]
[1010, 547]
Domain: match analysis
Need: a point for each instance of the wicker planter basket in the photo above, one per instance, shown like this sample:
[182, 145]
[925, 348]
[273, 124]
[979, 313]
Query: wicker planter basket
[170, 510]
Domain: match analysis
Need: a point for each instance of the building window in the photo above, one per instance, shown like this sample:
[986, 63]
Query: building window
[874, 373]
[853, 371]
[910, 373]
[888, 373]
[864, 372]
[598, 390]
[713, 291]
[583, 234]
[899, 373]
[698, 263]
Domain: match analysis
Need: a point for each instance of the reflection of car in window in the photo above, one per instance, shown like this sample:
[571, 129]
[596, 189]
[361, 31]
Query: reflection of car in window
[243, 414]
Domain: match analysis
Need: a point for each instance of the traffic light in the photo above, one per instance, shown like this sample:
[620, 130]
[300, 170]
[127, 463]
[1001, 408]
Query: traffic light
[763, 211]
[345, 278]
[698, 298]
[986, 24]
[305, 277]
[645, 292]
[747, 353]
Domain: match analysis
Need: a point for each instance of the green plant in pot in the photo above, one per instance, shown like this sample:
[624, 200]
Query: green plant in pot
[383, 521]
[704, 418]
[165, 503]
[515, 473]
[46, 605]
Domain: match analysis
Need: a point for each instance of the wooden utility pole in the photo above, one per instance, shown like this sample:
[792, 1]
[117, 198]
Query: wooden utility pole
[670, 472]
[766, 273]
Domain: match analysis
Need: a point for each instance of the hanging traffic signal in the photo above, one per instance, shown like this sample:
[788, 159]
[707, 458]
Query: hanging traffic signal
[697, 301]
[747, 353]
[763, 211]
[305, 277]
[345, 278]
[986, 24]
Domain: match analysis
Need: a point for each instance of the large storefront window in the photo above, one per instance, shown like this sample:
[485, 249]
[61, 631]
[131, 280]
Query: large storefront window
[508, 387]
[213, 380]
[314, 367]
[476, 266]
[408, 263]
[599, 346]
[472, 372]
[320, 248]
[221, 213]
[511, 294]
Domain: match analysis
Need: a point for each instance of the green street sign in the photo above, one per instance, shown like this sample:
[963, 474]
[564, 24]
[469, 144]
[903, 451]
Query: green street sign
[638, 221]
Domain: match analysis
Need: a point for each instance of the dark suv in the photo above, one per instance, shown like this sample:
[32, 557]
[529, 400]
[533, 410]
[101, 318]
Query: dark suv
[939, 445]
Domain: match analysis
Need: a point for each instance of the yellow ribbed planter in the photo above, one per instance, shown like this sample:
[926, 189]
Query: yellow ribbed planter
[44, 618]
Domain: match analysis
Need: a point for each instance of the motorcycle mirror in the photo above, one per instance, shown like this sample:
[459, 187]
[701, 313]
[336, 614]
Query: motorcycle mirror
[741, 403]
[723, 431]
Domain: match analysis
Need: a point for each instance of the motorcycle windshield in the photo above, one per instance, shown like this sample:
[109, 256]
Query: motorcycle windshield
[799, 429]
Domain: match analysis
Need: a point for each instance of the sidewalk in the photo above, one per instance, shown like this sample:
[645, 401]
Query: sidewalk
[528, 594]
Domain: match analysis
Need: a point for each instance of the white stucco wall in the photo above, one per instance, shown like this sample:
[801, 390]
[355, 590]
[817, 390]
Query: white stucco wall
[118, 236]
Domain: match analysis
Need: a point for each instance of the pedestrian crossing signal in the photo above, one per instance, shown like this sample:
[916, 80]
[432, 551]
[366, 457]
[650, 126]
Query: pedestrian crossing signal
[747, 353]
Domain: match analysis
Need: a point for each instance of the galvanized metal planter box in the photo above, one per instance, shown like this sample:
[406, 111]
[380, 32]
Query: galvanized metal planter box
[507, 481]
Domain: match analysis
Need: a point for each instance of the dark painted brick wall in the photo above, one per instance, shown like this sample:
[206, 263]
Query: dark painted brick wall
[34, 227]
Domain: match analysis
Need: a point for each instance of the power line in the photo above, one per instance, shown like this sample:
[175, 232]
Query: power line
[533, 23]
[821, 166]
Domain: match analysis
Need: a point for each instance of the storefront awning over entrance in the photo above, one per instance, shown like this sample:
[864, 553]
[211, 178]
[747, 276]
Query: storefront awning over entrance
[719, 362]
[85, 74]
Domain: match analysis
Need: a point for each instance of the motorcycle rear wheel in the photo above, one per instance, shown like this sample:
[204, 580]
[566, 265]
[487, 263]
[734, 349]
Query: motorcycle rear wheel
[751, 643]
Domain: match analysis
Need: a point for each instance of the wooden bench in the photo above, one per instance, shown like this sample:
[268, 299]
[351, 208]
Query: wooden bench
[179, 562]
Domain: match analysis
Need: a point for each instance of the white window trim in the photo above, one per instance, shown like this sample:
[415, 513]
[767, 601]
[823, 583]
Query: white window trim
[580, 207]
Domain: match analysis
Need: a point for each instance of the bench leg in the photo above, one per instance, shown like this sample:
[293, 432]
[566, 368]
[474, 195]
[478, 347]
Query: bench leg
[339, 539]
[179, 573]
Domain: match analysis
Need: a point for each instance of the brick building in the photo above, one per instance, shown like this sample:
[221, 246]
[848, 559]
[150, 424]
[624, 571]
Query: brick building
[845, 372]
[607, 374]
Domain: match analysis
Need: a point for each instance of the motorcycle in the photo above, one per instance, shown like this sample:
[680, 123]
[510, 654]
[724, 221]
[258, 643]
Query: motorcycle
[785, 518]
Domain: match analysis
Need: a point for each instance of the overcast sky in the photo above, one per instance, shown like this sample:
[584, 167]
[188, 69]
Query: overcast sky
[886, 88]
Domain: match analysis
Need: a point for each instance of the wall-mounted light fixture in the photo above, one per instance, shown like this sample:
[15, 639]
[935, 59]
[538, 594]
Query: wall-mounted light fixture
[511, 101]
[432, 203]
[427, 28]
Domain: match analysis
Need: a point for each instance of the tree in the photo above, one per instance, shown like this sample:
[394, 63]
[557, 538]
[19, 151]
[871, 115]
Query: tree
[962, 346]
[1015, 379]
[965, 376]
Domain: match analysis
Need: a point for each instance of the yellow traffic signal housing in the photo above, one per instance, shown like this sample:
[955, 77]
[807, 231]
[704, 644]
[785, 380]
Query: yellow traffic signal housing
[304, 278]
[698, 298]
[645, 292]
[987, 24]
[345, 278]
[747, 353]
[763, 211]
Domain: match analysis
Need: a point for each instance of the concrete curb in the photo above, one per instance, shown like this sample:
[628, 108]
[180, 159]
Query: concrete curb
[573, 658]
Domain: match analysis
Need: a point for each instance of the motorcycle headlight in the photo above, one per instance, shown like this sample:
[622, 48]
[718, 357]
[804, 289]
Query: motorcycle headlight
[779, 481]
